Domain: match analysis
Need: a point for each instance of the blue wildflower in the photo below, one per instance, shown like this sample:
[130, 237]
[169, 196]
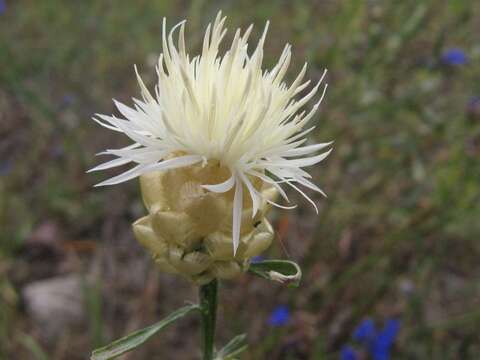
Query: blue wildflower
[68, 99]
[381, 345]
[279, 316]
[473, 106]
[473, 101]
[347, 353]
[454, 57]
[5, 167]
[365, 332]
[377, 342]
[3, 7]
[257, 259]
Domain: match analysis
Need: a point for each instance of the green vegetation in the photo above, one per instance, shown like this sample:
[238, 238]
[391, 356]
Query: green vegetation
[397, 237]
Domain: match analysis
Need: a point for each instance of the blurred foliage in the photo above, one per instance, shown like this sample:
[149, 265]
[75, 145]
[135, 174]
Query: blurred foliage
[398, 235]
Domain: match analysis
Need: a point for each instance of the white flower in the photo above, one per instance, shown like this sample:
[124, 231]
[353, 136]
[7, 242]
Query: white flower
[220, 108]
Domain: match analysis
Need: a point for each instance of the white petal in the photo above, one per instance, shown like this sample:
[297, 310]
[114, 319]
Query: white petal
[237, 214]
[110, 164]
[110, 127]
[127, 175]
[175, 163]
[134, 134]
[143, 168]
[305, 196]
[222, 187]
[253, 194]
[310, 185]
[306, 149]
[272, 182]
[281, 206]
[141, 155]
[296, 163]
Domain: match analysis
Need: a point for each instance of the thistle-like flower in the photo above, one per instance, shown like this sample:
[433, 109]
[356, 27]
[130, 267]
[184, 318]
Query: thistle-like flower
[224, 113]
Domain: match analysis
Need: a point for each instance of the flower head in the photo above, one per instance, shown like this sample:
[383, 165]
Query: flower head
[378, 342]
[473, 106]
[279, 316]
[382, 344]
[348, 353]
[223, 111]
[257, 259]
[365, 332]
[454, 57]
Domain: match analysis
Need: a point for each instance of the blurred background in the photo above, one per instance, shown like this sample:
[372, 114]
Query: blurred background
[391, 263]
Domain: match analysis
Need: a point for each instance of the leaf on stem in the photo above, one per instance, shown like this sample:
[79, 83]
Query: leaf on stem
[138, 337]
[233, 348]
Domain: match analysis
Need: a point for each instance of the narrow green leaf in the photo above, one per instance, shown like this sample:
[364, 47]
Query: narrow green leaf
[283, 271]
[233, 348]
[138, 337]
[233, 354]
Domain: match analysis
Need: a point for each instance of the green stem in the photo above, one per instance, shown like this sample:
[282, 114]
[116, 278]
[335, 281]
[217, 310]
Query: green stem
[208, 309]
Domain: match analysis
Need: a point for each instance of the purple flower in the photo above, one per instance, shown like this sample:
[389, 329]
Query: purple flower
[454, 57]
[3, 7]
[347, 353]
[279, 316]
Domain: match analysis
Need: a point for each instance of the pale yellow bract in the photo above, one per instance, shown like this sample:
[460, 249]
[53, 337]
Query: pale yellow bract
[186, 229]
[224, 109]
